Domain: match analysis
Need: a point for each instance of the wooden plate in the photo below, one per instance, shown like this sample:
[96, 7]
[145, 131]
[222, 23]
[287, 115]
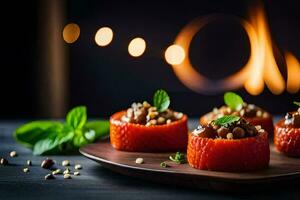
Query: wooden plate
[282, 170]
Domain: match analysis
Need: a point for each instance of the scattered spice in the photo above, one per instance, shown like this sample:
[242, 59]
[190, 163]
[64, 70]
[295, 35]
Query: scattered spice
[13, 154]
[29, 163]
[47, 163]
[65, 163]
[67, 176]
[3, 161]
[49, 177]
[76, 173]
[67, 171]
[139, 161]
[25, 170]
[78, 167]
[57, 171]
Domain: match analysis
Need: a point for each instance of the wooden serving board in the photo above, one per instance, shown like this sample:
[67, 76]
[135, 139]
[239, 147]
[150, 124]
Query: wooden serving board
[282, 170]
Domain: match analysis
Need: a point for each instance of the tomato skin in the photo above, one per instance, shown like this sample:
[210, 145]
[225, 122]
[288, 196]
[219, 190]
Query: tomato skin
[287, 139]
[265, 123]
[236, 155]
[139, 138]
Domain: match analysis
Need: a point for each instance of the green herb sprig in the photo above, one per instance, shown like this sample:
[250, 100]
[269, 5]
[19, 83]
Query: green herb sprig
[53, 137]
[178, 158]
[233, 100]
[164, 165]
[161, 100]
[297, 103]
[226, 120]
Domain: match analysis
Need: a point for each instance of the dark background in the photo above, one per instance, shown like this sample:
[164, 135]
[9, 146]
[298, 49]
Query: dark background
[108, 79]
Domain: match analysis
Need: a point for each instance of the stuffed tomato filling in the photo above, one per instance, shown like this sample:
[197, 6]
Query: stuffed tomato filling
[148, 115]
[244, 110]
[234, 128]
[292, 119]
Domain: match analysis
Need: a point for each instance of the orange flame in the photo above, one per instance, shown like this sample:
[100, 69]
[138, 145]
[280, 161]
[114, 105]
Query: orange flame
[260, 69]
[293, 73]
[264, 67]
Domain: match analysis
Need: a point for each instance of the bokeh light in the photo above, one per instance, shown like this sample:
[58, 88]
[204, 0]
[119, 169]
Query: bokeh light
[174, 54]
[137, 47]
[71, 32]
[104, 36]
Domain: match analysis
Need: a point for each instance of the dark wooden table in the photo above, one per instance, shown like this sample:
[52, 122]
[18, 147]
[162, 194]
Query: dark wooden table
[96, 181]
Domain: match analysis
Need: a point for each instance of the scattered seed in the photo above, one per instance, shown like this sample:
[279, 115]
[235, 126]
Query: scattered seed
[179, 115]
[259, 113]
[215, 110]
[228, 110]
[265, 115]
[242, 112]
[220, 115]
[152, 114]
[67, 171]
[57, 171]
[153, 122]
[3, 161]
[258, 127]
[25, 170]
[29, 163]
[146, 104]
[251, 106]
[65, 163]
[261, 130]
[77, 167]
[76, 173]
[161, 120]
[67, 176]
[139, 161]
[151, 109]
[13, 154]
[49, 176]
[47, 163]
[229, 136]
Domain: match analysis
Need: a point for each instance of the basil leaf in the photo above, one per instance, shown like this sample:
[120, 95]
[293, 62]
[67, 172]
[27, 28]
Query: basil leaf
[225, 120]
[297, 103]
[30, 133]
[101, 128]
[161, 100]
[233, 100]
[77, 117]
[79, 140]
[90, 135]
[50, 145]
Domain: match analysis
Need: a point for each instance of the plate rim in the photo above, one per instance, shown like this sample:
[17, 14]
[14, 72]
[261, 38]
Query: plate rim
[207, 176]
